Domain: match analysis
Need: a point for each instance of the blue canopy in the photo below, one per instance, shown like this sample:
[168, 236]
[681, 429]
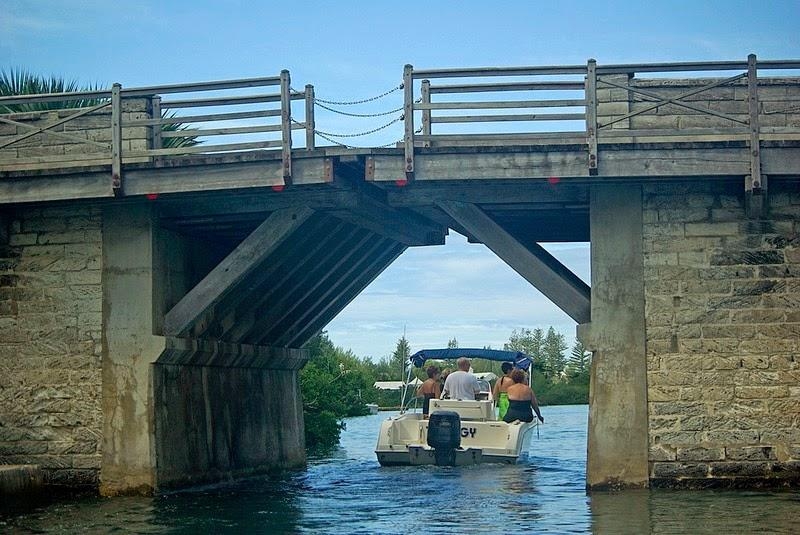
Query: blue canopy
[520, 360]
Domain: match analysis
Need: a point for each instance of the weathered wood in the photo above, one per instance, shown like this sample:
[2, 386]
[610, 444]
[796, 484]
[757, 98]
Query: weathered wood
[309, 120]
[202, 86]
[337, 297]
[403, 227]
[223, 131]
[500, 71]
[224, 101]
[224, 278]
[157, 141]
[425, 89]
[188, 178]
[512, 117]
[591, 114]
[272, 312]
[116, 139]
[198, 149]
[508, 86]
[755, 183]
[204, 118]
[502, 104]
[408, 121]
[510, 192]
[535, 265]
[286, 125]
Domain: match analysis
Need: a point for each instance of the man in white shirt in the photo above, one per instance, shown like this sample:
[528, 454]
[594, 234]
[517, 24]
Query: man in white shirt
[461, 384]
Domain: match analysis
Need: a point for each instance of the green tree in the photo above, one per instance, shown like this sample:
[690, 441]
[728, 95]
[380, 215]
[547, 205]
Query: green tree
[530, 342]
[579, 361]
[452, 344]
[335, 384]
[19, 82]
[553, 353]
[400, 356]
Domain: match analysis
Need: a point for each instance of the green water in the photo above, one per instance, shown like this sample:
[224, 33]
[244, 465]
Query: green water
[348, 492]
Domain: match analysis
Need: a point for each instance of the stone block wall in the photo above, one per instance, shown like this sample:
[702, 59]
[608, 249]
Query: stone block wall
[723, 334]
[777, 104]
[50, 346]
[44, 151]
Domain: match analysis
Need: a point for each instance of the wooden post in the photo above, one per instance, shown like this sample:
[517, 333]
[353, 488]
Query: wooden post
[286, 124]
[755, 184]
[116, 139]
[155, 130]
[591, 114]
[408, 115]
[426, 113]
[310, 125]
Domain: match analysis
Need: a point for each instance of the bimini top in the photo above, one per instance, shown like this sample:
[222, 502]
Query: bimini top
[520, 359]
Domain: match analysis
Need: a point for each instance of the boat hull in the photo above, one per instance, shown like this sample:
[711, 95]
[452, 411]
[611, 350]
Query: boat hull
[402, 441]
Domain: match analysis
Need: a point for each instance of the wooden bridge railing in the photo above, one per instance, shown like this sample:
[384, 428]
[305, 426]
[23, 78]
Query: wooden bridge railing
[607, 103]
[139, 125]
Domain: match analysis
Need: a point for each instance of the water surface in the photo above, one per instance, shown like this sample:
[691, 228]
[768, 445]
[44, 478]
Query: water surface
[348, 492]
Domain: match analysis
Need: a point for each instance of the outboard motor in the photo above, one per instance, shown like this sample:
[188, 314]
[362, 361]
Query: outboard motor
[444, 436]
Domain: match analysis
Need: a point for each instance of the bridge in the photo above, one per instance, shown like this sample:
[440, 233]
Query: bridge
[158, 283]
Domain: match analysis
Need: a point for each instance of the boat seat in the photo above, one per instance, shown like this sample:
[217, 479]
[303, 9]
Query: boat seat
[466, 409]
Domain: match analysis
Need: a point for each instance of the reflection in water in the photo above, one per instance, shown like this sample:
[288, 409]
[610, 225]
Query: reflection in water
[348, 492]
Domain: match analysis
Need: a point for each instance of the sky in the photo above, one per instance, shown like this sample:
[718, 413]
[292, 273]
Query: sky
[352, 50]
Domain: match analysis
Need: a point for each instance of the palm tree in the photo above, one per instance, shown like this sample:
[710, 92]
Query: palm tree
[17, 82]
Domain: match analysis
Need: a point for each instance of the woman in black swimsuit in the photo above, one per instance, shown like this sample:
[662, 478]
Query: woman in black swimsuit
[521, 400]
[429, 389]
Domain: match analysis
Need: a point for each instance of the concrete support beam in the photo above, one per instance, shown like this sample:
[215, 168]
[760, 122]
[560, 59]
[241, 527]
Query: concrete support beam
[535, 264]
[129, 349]
[617, 438]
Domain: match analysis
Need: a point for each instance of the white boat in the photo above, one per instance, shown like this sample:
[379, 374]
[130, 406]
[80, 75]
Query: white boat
[408, 439]
[373, 408]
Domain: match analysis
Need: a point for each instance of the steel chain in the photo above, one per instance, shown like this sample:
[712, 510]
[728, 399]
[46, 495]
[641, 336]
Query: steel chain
[359, 114]
[362, 101]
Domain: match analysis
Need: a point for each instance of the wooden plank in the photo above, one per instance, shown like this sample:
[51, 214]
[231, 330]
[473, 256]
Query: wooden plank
[511, 117]
[200, 149]
[502, 104]
[309, 123]
[220, 101]
[408, 121]
[92, 185]
[233, 269]
[338, 296]
[527, 193]
[116, 139]
[499, 71]
[721, 134]
[205, 118]
[398, 225]
[157, 141]
[535, 265]
[223, 131]
[272, 312]
[531, 136]
[591, 115]
[674, 162]
[780, 161]
[215, 85]
[247, 175]
[286, 125]
[510, 86]
[755, 183]
[426, 111]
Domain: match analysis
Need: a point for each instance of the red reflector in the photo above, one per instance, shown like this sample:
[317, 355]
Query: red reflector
[553, 180]
[151, 196]
[400, 183]
[278, 187]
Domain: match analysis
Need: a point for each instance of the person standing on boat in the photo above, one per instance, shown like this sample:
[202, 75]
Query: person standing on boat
[501, 387]
[461, 384]
[521, 400]
[430, 389]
